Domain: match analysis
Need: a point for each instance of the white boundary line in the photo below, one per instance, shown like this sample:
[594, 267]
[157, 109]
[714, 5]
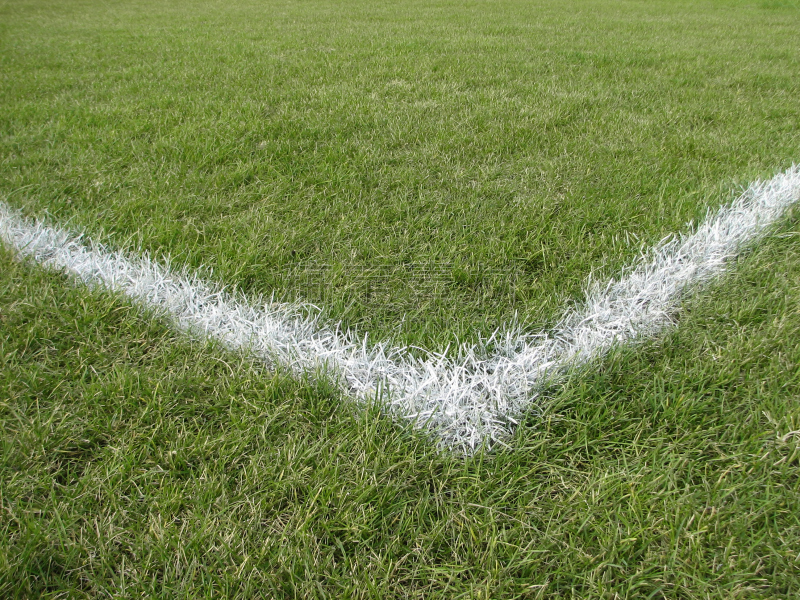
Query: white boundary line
[467, 399]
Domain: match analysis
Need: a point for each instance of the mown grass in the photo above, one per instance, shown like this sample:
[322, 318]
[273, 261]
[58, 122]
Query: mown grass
[136, 463]
[423, 170]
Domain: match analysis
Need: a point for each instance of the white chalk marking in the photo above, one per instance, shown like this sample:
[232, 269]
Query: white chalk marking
[465, 400]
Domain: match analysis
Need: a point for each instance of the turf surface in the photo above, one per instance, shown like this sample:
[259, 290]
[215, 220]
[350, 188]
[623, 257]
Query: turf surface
[423, 170]
[134, 463]
[439, 162]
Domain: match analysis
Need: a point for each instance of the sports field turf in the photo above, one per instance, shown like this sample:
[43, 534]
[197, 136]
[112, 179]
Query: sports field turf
[137, 464]
[423, 171]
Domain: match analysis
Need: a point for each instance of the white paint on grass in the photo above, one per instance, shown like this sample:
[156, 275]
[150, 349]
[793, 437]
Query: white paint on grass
[466, 399]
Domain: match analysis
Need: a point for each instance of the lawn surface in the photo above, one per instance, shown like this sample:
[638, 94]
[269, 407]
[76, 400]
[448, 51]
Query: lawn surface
[423, 170]
[134, 463]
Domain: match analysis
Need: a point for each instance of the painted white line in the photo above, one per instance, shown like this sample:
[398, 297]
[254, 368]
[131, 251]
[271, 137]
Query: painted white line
[466, 399]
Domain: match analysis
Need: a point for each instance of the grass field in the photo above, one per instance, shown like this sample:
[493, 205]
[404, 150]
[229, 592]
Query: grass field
[137, 464]
[423, 171]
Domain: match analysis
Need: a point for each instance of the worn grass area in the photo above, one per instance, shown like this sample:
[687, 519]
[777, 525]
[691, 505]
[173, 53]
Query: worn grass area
[135, 463]
[423, 170]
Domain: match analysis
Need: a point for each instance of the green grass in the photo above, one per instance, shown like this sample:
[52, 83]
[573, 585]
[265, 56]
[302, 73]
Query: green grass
[135, 463]
[424, 170]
